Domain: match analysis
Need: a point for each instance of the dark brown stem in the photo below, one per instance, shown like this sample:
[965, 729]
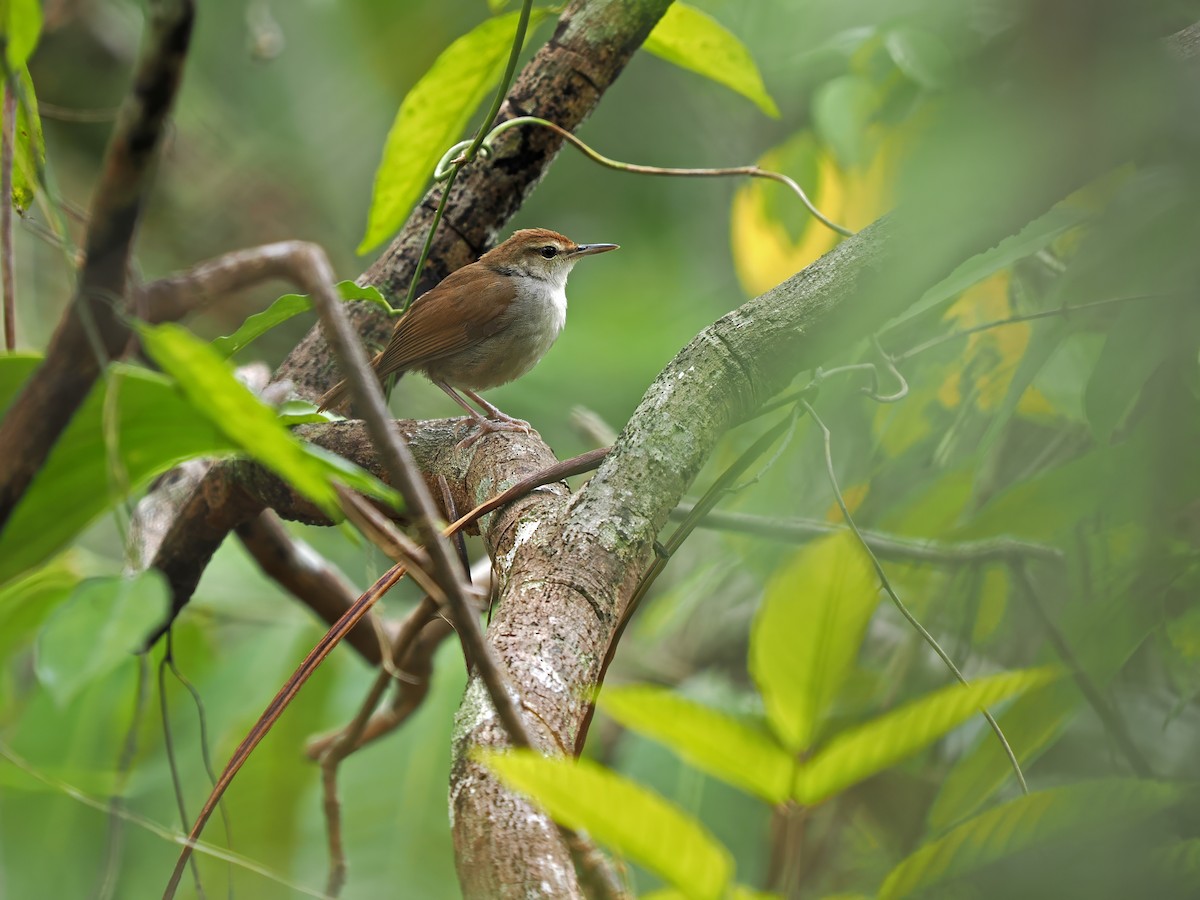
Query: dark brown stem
[7, 140]
[274, 709]
[93, 330]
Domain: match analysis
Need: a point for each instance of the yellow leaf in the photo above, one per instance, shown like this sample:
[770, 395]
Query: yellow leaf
[765, 249]
[990, 358]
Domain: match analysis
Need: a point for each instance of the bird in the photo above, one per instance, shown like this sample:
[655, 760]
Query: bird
[483, 325]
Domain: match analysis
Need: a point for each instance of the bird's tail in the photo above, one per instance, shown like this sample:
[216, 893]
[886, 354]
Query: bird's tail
[337, 398]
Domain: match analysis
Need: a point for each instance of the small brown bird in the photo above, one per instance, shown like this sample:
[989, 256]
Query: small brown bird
[484, 325]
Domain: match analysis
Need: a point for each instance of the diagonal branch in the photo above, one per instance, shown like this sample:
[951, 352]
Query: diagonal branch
[94, 329]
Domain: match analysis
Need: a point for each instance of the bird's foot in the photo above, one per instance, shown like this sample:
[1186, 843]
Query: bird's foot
[497, 422]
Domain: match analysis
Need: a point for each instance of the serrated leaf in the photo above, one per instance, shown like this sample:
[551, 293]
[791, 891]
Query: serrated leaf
[807, 634]
[209, 384]
[103, 623]
[695, 41]
[154, 429]
[712, 741]
[841, 111]
[863, 751]
[1030, 820]
[1035, 236]
[921, 56]
[286, 307]
[433, 116]
[623, 816]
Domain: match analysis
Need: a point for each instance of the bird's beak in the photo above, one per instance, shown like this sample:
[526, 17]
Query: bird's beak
[589, 249]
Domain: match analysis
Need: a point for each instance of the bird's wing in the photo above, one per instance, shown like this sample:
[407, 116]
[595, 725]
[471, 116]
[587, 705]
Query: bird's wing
[451, 317]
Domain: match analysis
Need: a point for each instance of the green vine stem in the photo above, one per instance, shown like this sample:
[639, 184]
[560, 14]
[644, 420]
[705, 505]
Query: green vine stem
[895, 598]
[472, 148]
[632, 168]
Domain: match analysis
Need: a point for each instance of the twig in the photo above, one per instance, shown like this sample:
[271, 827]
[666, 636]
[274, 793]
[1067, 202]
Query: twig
[1025, 317]
[112, 851]
[634, 169]
[340, 744]
[577, 465]
[284, 696]
[886, 584]
[7, 144]
[889, 546]
[92, 330]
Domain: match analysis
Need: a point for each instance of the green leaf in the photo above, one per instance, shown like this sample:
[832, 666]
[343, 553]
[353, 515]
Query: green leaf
[25, 602]
[863, 751]
[209, 384]
[20, 28]
[101, 625]
[738, 892]
[699, 43]
[621, 815]
[841, 110]
[1030, 724]
[1133, 351]
[29, 150]
[714, 742]
[1026, 822]
[921, 56]
[286, 307]
[1038, 351]
[153, 428]
[432, 117]
[1035, 236]
[807, 634]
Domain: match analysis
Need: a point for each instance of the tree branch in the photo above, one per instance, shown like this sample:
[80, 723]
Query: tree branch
[94, 329]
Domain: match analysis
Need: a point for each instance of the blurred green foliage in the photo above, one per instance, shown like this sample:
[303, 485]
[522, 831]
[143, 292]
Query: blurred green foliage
[1068, 126]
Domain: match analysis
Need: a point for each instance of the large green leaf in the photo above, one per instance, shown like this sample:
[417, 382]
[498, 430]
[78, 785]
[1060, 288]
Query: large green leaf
[867, 749]
[623, 816]
[1030, 725]
[26, 601]
[433, 116]
[699, 43]
[103, 622]
[807, 634]
[841, 111]
[712, 741]
[153, 428]
[209, 384]
[1025, 822]
[286, 307]
[1035, 236]
[921, 56]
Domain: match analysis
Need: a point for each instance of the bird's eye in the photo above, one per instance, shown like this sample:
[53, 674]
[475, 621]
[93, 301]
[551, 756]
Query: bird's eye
[549, 252]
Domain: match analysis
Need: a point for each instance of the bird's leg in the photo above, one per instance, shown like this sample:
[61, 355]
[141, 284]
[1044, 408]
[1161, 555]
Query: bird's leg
[497, 414]
[496, 421]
